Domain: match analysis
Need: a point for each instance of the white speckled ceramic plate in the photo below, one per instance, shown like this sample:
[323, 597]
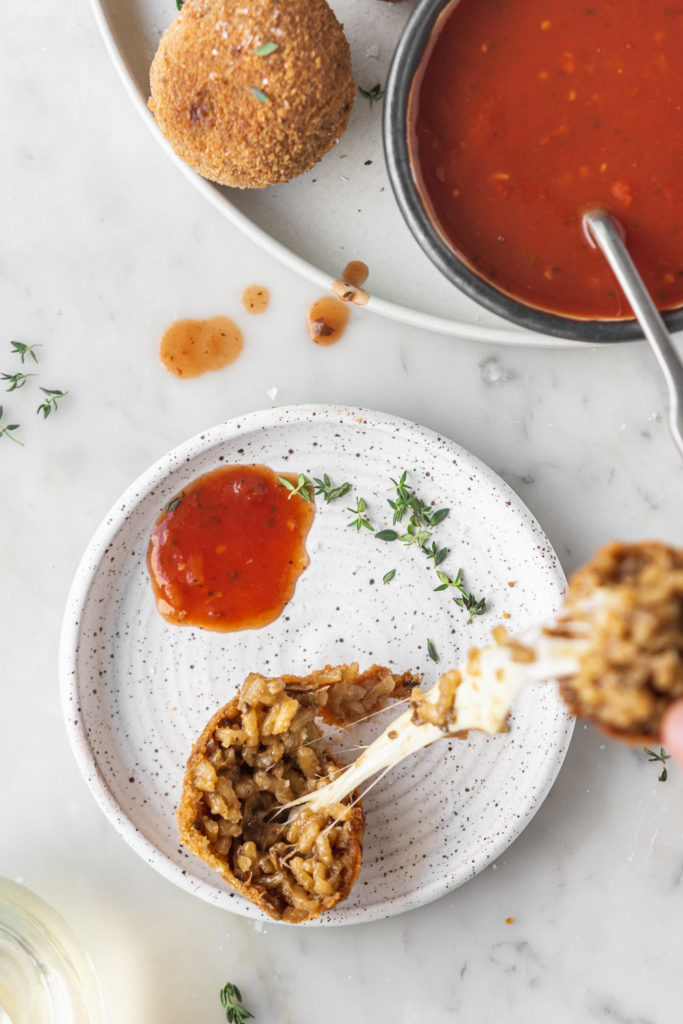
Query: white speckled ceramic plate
[137, 691]
[342, 209]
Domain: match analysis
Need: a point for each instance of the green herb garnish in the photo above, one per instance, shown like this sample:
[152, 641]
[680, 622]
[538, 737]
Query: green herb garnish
[662, 757]
[360, 519]
[6, 431]
[174, 502]
[50, 401]
[436, 554]
[179, 3]
[423, 519]
[467, 601]
[265, 49]
[329, 492]
[301, 488]
[260, 95]
[15, 380]
[231, 1001]
[376, 93]
[431, 650]
[20, 349]
[388, 576]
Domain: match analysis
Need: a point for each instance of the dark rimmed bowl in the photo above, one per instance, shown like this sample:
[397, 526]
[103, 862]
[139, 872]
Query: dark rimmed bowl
[397, 99]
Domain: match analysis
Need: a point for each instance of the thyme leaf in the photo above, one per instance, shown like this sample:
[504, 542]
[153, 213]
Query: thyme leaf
[387, 535]
[388, 576]
[22, 350]
[174, 502]
[324, 486]
[376, 93]
[360, 521]
[260, 95]
[15, 380]
[431, 650]
[662, 757]
[7, 430]
[265, 49]
[467, 601]
[302, 487]
[49, 403]
[231, 1001]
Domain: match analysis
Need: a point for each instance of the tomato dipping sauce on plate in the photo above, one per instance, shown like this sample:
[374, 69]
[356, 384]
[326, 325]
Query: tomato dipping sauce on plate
[526, 113]
[226, 553]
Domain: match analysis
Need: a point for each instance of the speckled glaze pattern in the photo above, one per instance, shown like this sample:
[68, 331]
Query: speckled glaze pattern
[137, 691]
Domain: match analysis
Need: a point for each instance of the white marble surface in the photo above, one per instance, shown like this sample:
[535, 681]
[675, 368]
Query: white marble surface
[103, 244]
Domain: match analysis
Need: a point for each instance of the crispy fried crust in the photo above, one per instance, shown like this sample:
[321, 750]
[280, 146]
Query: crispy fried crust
[634, 669]
[260, 751]
[249, 120]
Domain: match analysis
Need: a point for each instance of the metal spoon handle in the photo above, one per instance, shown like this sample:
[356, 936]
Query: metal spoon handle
[604, 232]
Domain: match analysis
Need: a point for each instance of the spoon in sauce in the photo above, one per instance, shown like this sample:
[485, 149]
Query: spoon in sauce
[602, 230]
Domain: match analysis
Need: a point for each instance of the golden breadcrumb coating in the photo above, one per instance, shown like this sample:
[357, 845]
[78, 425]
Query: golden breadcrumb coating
[634, 668]
[261, 751]
[252, 94]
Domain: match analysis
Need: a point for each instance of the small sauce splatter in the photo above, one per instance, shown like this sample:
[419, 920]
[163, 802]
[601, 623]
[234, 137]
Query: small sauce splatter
[226, 553]
[326, 320]
[356, 273]
[509, 920]
[255, 298]
[348, 287]
[190, 348]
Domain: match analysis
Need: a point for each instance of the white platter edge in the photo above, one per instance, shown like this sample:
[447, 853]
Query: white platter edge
[381, 307]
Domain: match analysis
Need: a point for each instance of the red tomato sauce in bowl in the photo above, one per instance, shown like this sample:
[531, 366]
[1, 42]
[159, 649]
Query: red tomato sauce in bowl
[523, 114]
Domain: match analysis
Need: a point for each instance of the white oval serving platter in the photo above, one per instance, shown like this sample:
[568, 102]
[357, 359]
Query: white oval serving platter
[344, 209]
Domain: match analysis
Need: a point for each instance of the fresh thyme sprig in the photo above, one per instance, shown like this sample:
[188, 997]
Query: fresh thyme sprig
[231, 1001]
[360, 520]
[324, 486]
[467, 601]
[376, 93]
[23, 350]
[302, 487]
[421, 514]
[436, 554]
[15, 380]
[49, 403]
[662, 757]
[7, 430]
[422, 522]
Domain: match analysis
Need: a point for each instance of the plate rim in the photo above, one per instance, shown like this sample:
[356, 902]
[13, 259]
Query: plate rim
[76, 602]
[513, 335]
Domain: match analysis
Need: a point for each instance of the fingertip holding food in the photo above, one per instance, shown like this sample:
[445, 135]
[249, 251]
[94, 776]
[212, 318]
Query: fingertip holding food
[672, 731]
[252, 95]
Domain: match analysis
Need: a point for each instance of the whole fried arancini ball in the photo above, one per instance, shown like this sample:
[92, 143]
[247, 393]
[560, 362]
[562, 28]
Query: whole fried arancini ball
[252, 93]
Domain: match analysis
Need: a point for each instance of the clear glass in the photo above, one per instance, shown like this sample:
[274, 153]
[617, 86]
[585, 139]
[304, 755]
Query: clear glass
[45, 975]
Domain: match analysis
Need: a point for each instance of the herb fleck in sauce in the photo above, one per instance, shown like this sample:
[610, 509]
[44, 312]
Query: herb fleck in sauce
[255, 298]
[327, 319]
